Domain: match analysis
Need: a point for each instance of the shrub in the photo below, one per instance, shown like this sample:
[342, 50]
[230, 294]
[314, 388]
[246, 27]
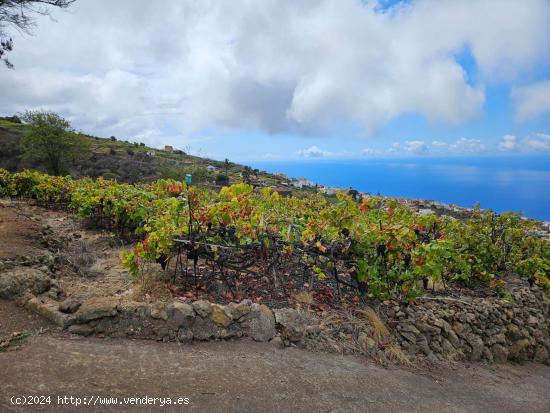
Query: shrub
[222, 179]
[13, 119]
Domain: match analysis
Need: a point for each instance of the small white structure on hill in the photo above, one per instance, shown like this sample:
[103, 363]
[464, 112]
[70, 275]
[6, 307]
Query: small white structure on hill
[303, 182]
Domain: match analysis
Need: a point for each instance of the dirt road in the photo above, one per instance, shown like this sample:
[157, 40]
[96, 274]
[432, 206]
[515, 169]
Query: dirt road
[257, 377]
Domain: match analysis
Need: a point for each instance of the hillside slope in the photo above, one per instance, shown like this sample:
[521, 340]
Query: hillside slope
[127, 161]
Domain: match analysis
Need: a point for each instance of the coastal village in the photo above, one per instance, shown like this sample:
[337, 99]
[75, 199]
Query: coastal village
[420, 206]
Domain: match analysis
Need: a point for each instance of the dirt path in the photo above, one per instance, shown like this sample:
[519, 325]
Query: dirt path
[247, 376]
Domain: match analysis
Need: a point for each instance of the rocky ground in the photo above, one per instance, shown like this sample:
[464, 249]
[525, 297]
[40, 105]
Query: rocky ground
[54, 256]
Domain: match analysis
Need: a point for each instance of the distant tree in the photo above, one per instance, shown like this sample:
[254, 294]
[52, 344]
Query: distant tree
[49, 139]
[222, 179]
[141, 144]
[20, 14]
[113, 138]
[246, 174]
[13, 119]
[354, 193]
[226, 166]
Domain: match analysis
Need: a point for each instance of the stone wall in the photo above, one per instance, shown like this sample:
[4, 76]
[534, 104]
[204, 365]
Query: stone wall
[174, 321]
[439, 328]
[490, 329]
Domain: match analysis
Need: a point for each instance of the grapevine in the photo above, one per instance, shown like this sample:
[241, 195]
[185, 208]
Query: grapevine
[372, 247]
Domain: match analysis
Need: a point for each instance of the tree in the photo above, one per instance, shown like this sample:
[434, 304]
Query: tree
[222, 180]
[49, 139]
[21, 15]
[246, 174]
[226, 165]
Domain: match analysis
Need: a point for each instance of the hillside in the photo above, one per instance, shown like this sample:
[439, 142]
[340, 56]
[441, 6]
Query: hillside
[130, 162]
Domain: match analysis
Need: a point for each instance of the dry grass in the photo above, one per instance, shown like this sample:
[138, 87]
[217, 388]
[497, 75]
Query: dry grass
[396, 355]
[380, 332]
[149, 288]
[342, 331]
[304, 297]
[80, 256]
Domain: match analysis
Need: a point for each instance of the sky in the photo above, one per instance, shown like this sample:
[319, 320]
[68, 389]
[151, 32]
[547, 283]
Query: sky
[294, 79]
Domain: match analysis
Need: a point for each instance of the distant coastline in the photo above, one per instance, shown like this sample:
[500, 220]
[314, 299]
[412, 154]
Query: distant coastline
[502, 183]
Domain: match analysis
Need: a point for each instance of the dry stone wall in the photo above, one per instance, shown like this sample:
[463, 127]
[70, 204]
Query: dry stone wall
[488, 329]
[176, 321]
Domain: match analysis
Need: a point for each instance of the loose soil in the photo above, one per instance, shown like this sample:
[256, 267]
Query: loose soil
[242, 376]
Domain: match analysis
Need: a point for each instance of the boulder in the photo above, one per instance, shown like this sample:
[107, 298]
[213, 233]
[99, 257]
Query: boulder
[180, 315]
[426, 328]
[476, 343]
[532, 321]
[238, 310]
[97, 307]
[158, 311]
[14, 283]
[49, 310]
[259, 323]
[292, 322]
[204, 329]
[134, 309]
[219, 316]
[202, 308]
[70, 305]
[453, 339]
[408, 328]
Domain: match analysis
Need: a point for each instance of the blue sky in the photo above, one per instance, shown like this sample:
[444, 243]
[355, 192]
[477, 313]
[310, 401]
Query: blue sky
[276, 80]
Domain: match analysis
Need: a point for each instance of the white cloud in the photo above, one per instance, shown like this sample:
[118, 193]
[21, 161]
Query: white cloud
[270, 156]
[416, 146]
[128, 67]
[464, 145]
[371, 152]
[538, 143]
[508, 143]
[532, 100]
[313, 152]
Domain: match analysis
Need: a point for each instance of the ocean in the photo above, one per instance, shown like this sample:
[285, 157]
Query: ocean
[502, 183]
